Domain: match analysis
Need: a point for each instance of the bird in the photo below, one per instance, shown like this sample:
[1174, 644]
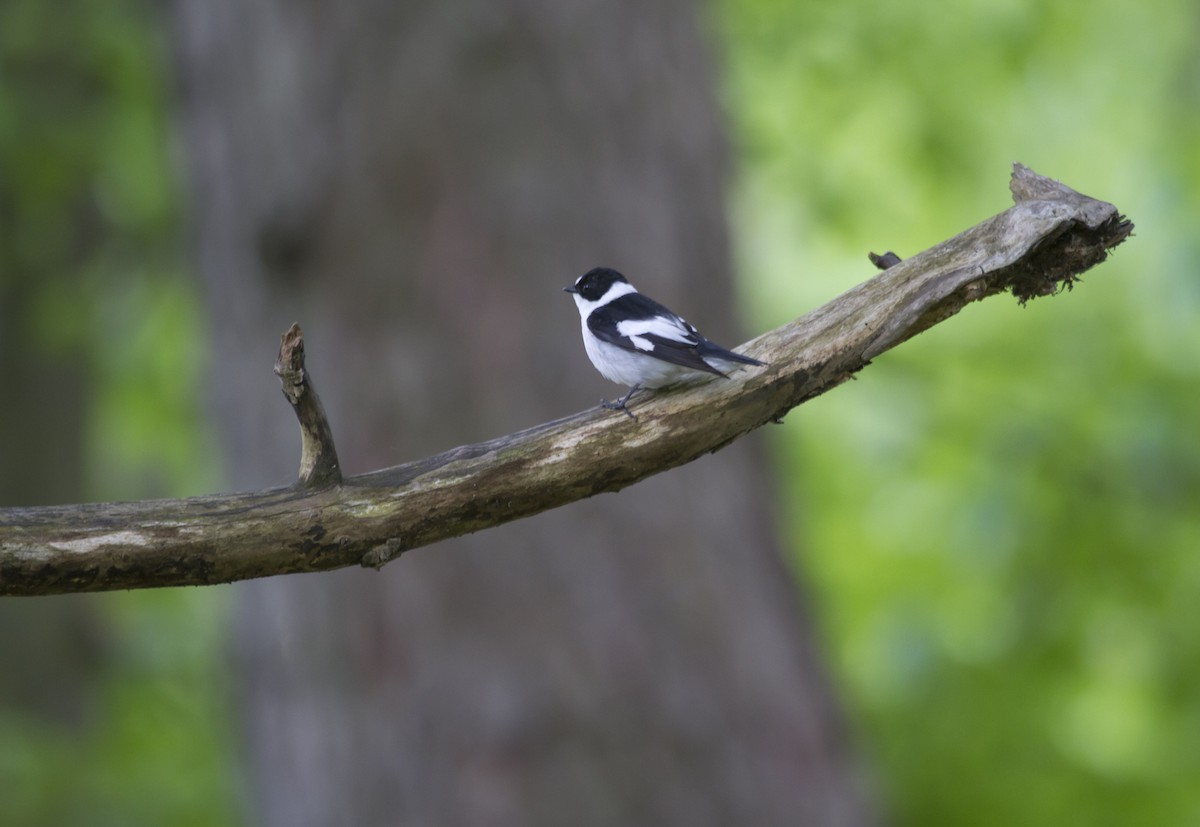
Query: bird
[633, 340]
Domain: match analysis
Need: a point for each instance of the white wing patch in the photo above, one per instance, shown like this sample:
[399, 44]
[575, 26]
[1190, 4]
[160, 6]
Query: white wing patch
[665, 327]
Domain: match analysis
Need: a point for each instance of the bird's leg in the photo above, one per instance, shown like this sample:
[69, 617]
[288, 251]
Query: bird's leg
[619, 405]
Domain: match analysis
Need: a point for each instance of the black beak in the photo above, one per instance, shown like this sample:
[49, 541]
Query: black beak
[570, 290]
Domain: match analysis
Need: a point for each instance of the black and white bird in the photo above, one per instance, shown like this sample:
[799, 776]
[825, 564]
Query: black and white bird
[633, 340]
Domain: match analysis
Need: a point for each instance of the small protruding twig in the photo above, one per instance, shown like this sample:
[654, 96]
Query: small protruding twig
[884, 261]
[318, 458]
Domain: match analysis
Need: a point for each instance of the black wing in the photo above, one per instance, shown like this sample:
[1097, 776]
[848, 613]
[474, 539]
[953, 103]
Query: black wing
[683, 348]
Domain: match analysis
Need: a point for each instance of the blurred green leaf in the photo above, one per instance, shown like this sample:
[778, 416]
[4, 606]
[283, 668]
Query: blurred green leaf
[1001, 516]
[91, 271]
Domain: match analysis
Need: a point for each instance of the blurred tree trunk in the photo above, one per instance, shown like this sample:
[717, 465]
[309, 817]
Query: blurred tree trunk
[414, 182]
[50, 648]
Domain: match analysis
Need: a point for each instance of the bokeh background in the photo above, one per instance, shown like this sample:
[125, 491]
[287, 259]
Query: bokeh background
[999, 521]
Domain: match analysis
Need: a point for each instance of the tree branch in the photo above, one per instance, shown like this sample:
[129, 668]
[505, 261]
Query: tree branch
[1035, 248]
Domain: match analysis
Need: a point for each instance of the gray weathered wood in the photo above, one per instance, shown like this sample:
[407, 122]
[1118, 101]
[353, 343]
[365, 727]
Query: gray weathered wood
[319, 465]
[1035, 248]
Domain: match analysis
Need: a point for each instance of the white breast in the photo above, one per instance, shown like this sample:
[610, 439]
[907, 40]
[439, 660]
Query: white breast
[626, 367]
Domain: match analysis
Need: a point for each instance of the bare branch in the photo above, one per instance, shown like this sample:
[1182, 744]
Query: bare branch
[1032, 249]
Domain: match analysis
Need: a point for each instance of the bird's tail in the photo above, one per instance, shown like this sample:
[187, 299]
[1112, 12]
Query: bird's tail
[709, 351]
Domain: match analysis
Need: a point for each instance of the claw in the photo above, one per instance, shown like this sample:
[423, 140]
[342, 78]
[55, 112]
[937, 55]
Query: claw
[620, 404]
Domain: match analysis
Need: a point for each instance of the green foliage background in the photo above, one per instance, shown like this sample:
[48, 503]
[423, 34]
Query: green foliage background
[998, 522]
[91, 256]
[1000, 519]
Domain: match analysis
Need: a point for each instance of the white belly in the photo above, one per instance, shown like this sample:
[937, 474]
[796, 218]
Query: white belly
[630, 368]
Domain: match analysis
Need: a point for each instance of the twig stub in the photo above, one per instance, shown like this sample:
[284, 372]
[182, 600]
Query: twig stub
[318, 457]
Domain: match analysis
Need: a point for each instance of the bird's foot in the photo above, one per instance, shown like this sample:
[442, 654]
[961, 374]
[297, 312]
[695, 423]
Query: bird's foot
[620, 404]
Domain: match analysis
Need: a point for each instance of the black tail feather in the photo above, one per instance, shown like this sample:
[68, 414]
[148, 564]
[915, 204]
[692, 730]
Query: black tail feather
[708, 351]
